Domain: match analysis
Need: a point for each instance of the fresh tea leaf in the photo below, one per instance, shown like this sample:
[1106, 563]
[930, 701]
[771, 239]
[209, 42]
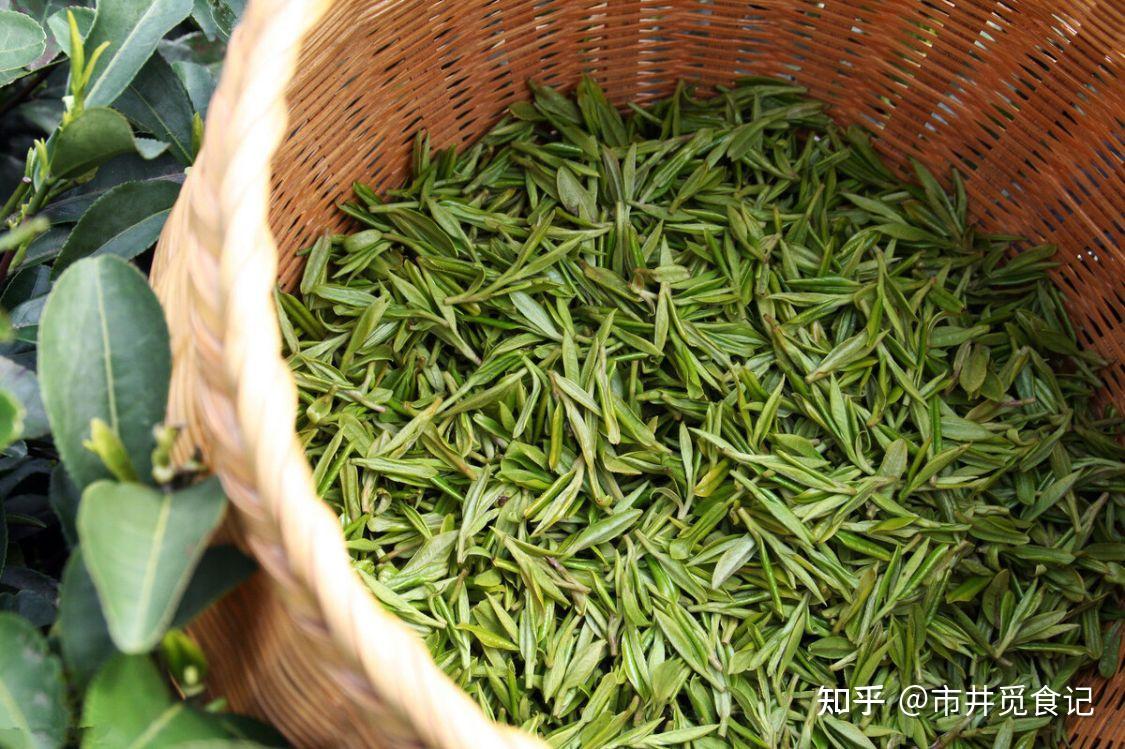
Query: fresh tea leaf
[59, 25]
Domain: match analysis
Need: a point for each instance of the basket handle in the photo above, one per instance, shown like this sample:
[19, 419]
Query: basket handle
[215, 271]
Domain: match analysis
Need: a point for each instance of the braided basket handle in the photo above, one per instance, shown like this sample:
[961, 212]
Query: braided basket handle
[215, 272]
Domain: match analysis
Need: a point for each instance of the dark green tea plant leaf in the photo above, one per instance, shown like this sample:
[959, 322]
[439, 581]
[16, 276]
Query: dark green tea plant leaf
[157, 102]
[129, 705]
[36, 607]
[63, 496]
[103, 315]
[132, 29]
[140, 546]
[119, 171]
[653, 426]
[125, 221]
[3, 538]
[22, 40]
[93, 138]
[220, 570]
[22, 384]
[59, 26]
[220, 16]
[83, 633]
[33, 708]
[245, 732]
[222, 744]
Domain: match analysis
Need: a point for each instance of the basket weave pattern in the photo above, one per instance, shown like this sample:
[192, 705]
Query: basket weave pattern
[1026, 100]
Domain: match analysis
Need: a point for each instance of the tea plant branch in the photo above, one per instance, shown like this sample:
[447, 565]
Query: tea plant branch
[33, 82]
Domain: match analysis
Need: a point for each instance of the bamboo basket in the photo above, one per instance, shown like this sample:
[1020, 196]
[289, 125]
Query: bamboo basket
[1024, 97]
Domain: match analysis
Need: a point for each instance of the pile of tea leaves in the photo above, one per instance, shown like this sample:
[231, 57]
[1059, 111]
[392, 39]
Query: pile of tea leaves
[654, 425]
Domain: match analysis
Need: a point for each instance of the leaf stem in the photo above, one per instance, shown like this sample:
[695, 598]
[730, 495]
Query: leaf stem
[17, 195]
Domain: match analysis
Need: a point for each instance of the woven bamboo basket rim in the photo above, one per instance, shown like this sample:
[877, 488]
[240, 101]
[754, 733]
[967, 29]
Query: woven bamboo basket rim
[309, 623]
[215, 269]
